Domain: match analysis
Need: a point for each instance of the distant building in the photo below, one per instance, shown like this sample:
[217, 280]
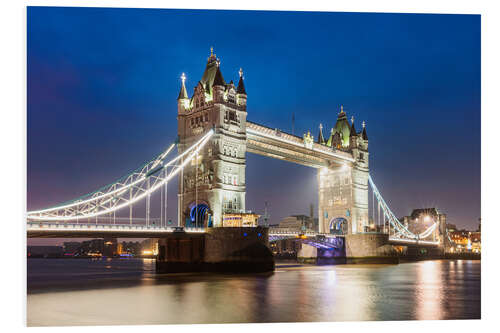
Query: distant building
[240, 220]
[466, 241]
[422, 218]
[286, 247]
[475, 241]
[45, 251]
[71, 247]
[133, 248]
[298, 222]
[110, 247]
[149, 246]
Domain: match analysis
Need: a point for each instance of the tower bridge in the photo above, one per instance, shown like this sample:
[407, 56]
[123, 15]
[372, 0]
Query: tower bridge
[213, 138]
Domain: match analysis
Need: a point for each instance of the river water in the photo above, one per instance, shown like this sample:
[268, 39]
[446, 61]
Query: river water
[128, 292]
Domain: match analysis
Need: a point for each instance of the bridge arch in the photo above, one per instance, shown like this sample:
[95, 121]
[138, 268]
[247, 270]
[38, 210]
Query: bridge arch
[198, 214]
[338, 226]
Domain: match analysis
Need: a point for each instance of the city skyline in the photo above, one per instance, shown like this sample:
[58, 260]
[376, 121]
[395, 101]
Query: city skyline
[124, 98]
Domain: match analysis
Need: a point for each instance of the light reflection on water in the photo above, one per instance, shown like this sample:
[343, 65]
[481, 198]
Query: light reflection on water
[127, 292]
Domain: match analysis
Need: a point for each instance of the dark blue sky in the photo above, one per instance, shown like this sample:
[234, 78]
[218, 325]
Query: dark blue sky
[102, 88]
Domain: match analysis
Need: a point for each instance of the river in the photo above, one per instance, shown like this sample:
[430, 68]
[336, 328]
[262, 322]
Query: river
[65, 292]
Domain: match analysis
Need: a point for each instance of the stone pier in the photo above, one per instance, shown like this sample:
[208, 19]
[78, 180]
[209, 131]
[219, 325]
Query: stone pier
[370, 248]
[231, 249]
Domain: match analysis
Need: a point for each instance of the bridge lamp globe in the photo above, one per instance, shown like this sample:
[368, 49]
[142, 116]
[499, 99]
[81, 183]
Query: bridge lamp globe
[427, 218]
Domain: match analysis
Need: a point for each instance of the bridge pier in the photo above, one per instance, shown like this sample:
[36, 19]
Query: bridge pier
[370, 248]
[238, 250]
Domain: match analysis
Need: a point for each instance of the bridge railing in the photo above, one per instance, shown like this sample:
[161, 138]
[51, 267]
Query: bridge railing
[52, 226]
[297, 232]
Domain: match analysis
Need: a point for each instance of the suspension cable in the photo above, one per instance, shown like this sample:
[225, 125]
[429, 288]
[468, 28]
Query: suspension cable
[158, 183]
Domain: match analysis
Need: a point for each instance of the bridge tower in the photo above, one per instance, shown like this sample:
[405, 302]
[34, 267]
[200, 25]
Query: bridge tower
[343, 189]
[214, 184]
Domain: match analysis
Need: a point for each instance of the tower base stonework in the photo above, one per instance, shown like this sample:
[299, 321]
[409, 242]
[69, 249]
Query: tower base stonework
[343, 200]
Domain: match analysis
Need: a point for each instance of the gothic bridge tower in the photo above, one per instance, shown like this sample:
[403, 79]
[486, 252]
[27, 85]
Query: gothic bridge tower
[214, 184]
[343, 190]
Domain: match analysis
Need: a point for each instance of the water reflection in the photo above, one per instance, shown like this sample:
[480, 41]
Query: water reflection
[130, 293]
[429, 290]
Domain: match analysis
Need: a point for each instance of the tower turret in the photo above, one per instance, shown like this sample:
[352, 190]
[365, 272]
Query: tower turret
[363, 134]
[321, 139]
[182, 99]
[218, 85]
[241, 94]
[343, 128]
[353, 136]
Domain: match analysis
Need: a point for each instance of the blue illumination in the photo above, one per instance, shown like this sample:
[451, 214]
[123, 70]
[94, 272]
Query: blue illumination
[245, 234]
[259, 234]
[202, 209]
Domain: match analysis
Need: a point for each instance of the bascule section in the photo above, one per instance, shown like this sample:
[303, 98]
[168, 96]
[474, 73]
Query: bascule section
[212, 187]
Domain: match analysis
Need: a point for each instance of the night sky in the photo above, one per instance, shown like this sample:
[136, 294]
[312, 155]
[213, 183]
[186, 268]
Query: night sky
[102, 89]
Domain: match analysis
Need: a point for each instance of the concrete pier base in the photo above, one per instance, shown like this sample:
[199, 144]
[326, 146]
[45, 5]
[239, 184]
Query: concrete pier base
[370, 248]
[238, 250]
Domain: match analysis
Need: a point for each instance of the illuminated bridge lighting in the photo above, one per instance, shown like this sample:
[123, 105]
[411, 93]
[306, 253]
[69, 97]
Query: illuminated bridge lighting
[123, 194]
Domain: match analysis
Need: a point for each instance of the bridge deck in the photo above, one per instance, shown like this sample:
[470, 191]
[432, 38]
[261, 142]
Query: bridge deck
[86, 230]
[74, 230]
[270, 142]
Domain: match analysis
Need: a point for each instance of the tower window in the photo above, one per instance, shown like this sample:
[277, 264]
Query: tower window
[231, 115]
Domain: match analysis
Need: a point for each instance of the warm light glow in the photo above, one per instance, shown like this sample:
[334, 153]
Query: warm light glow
[147, 252]
[427, 218]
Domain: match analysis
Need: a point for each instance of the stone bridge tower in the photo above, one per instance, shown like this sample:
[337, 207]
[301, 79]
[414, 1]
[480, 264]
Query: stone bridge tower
[214, 184]
[343, 190]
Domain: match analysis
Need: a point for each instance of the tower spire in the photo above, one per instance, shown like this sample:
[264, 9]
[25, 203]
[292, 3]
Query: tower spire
[183, 92]
[364, 136]
[321, 138]
[241, 86]
[218, 79]
[212, 56]
[353, 129]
